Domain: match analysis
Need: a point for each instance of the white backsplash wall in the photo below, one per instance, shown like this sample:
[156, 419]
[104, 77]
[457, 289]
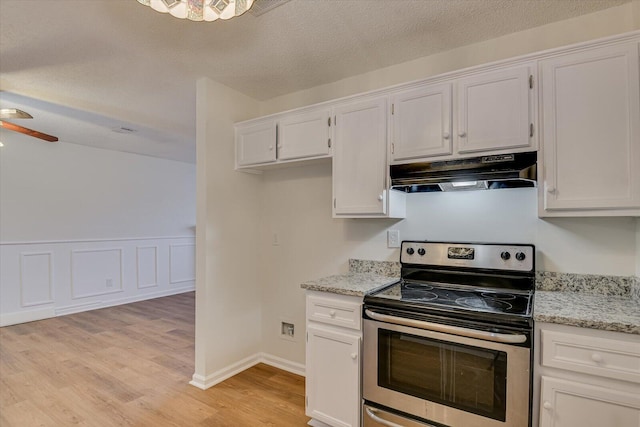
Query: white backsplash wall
[297, 207]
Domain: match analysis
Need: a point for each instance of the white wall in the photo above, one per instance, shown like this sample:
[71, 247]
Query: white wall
[83, 228]
[297, 201]
[228, 281]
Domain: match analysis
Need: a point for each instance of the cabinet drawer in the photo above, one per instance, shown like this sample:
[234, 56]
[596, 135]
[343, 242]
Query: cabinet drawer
[334, 312]
[592, 355]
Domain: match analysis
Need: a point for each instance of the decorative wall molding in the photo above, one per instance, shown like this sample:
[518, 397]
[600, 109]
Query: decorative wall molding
[116, 239]
[28, 274]
[39, 281]
[139, 258]
[174, 263]
[80, 275]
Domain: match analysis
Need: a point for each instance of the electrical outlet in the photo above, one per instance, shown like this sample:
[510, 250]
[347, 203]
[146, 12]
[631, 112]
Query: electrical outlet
[275, 239]
[393, 238]
[109, 283]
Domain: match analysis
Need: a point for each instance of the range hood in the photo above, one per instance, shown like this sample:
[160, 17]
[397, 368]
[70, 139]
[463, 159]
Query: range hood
[475, 173]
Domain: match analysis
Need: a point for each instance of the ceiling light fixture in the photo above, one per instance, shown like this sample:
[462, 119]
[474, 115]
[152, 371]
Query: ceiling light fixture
[200, 10]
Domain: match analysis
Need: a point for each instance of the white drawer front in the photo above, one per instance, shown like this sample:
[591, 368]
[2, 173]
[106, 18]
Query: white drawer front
[592, 355]
[334, 312]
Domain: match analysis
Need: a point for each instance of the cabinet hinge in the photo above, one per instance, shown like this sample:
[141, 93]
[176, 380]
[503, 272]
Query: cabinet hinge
[393, 148]
[335, 121]
[531, 130]
[329, 142]
[307, 336]
[393, 109]
[329, 122]
[306, 401]
[531, 81]
[334, 202]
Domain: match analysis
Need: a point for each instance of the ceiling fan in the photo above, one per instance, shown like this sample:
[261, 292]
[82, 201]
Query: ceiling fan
[14, 113]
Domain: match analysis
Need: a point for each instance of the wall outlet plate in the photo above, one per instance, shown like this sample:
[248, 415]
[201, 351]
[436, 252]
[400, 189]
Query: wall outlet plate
[393, 238]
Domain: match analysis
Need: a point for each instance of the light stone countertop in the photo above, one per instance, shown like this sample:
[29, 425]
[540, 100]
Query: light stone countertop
[610, 303]
[605, 312]
[356, 284]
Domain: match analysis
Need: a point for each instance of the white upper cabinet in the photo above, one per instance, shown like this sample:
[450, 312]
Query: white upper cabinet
[304, 135]
[591, 137]
[494, 111]
[256, 143]
[359, 159]
[421, 122]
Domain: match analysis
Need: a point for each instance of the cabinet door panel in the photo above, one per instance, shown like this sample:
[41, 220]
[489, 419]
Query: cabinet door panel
[255, 144]
[304, 135]
[422, 122]
[591, 116]
[333, 377]
[494, 111]
[359, 159]
[571, 404]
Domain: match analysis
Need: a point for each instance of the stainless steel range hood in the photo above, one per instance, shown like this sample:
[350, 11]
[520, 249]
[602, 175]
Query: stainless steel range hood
[485, 172]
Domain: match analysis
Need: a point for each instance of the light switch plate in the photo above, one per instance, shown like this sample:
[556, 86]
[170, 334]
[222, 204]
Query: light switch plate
[393, 238]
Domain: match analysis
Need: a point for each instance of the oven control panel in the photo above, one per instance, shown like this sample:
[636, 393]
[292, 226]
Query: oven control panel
[470, 255]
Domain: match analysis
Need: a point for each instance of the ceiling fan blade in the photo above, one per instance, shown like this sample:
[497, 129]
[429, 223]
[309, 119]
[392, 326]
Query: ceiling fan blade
[14, 113]
[27, 131]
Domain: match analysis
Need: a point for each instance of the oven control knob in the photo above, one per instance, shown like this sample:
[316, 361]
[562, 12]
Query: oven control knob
[421, 251]
[505, 255]
[520, 256]
[410, 251]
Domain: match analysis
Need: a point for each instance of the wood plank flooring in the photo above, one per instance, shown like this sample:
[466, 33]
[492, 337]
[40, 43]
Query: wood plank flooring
[130, 366]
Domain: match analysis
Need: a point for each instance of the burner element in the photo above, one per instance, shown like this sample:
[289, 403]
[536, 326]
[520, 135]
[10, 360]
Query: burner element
[484, 303]
[502, 297]
[418, 295]
[418, 286]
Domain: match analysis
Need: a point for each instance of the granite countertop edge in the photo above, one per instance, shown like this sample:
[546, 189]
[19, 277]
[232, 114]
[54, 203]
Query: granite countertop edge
[558, 297]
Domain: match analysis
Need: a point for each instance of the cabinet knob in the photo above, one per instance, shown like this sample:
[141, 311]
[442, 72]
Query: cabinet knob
[271, 148]
[547, 406]
[279, 145]
[462, 134]
[551, 190]
[354, 356]
[380, 197]
[446, 135]
[596, 357]
[332, 313]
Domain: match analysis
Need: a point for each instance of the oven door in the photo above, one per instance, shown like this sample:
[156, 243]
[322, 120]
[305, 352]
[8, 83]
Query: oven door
[455, 380]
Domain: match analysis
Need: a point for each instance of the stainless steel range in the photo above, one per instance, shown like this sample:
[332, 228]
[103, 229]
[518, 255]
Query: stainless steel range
[449, 344]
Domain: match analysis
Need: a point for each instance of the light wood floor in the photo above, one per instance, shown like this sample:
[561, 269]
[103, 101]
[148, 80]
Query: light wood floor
[130, 366]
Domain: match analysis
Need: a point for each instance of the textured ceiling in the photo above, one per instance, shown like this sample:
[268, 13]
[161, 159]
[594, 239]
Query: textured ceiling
[120, 59]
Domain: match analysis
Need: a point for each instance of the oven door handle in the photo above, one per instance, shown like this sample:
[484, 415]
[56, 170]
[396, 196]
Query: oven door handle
[448, 329]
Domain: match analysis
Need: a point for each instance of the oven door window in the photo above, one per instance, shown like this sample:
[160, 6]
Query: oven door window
[472, 379]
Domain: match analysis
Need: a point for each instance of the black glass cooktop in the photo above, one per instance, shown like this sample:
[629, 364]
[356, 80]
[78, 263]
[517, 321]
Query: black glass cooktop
[458, 298]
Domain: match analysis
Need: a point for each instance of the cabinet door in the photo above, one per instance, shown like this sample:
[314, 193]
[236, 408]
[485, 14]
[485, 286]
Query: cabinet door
[591, 137]
[333, 377]
[359, 158]
[422, 122]
[304, 135]
[494, 111]
[256, 143]
[571, 404]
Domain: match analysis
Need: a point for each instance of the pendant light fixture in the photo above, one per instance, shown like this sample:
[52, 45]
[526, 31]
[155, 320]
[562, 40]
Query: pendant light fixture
[200, 10]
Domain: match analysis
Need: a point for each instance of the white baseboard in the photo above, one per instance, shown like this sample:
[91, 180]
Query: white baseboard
[205, 382]
[62, 311]
[8, 319]
[284, 364]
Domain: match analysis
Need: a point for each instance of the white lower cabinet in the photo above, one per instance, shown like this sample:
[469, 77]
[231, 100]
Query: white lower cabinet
[333, 389]
[587, 378]
[574, 404]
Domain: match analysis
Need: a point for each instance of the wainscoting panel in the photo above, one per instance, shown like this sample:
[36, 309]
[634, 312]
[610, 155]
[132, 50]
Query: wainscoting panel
[182, 263]
[54, 278]
[147, 258]
[36, 278]
[96, 272]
